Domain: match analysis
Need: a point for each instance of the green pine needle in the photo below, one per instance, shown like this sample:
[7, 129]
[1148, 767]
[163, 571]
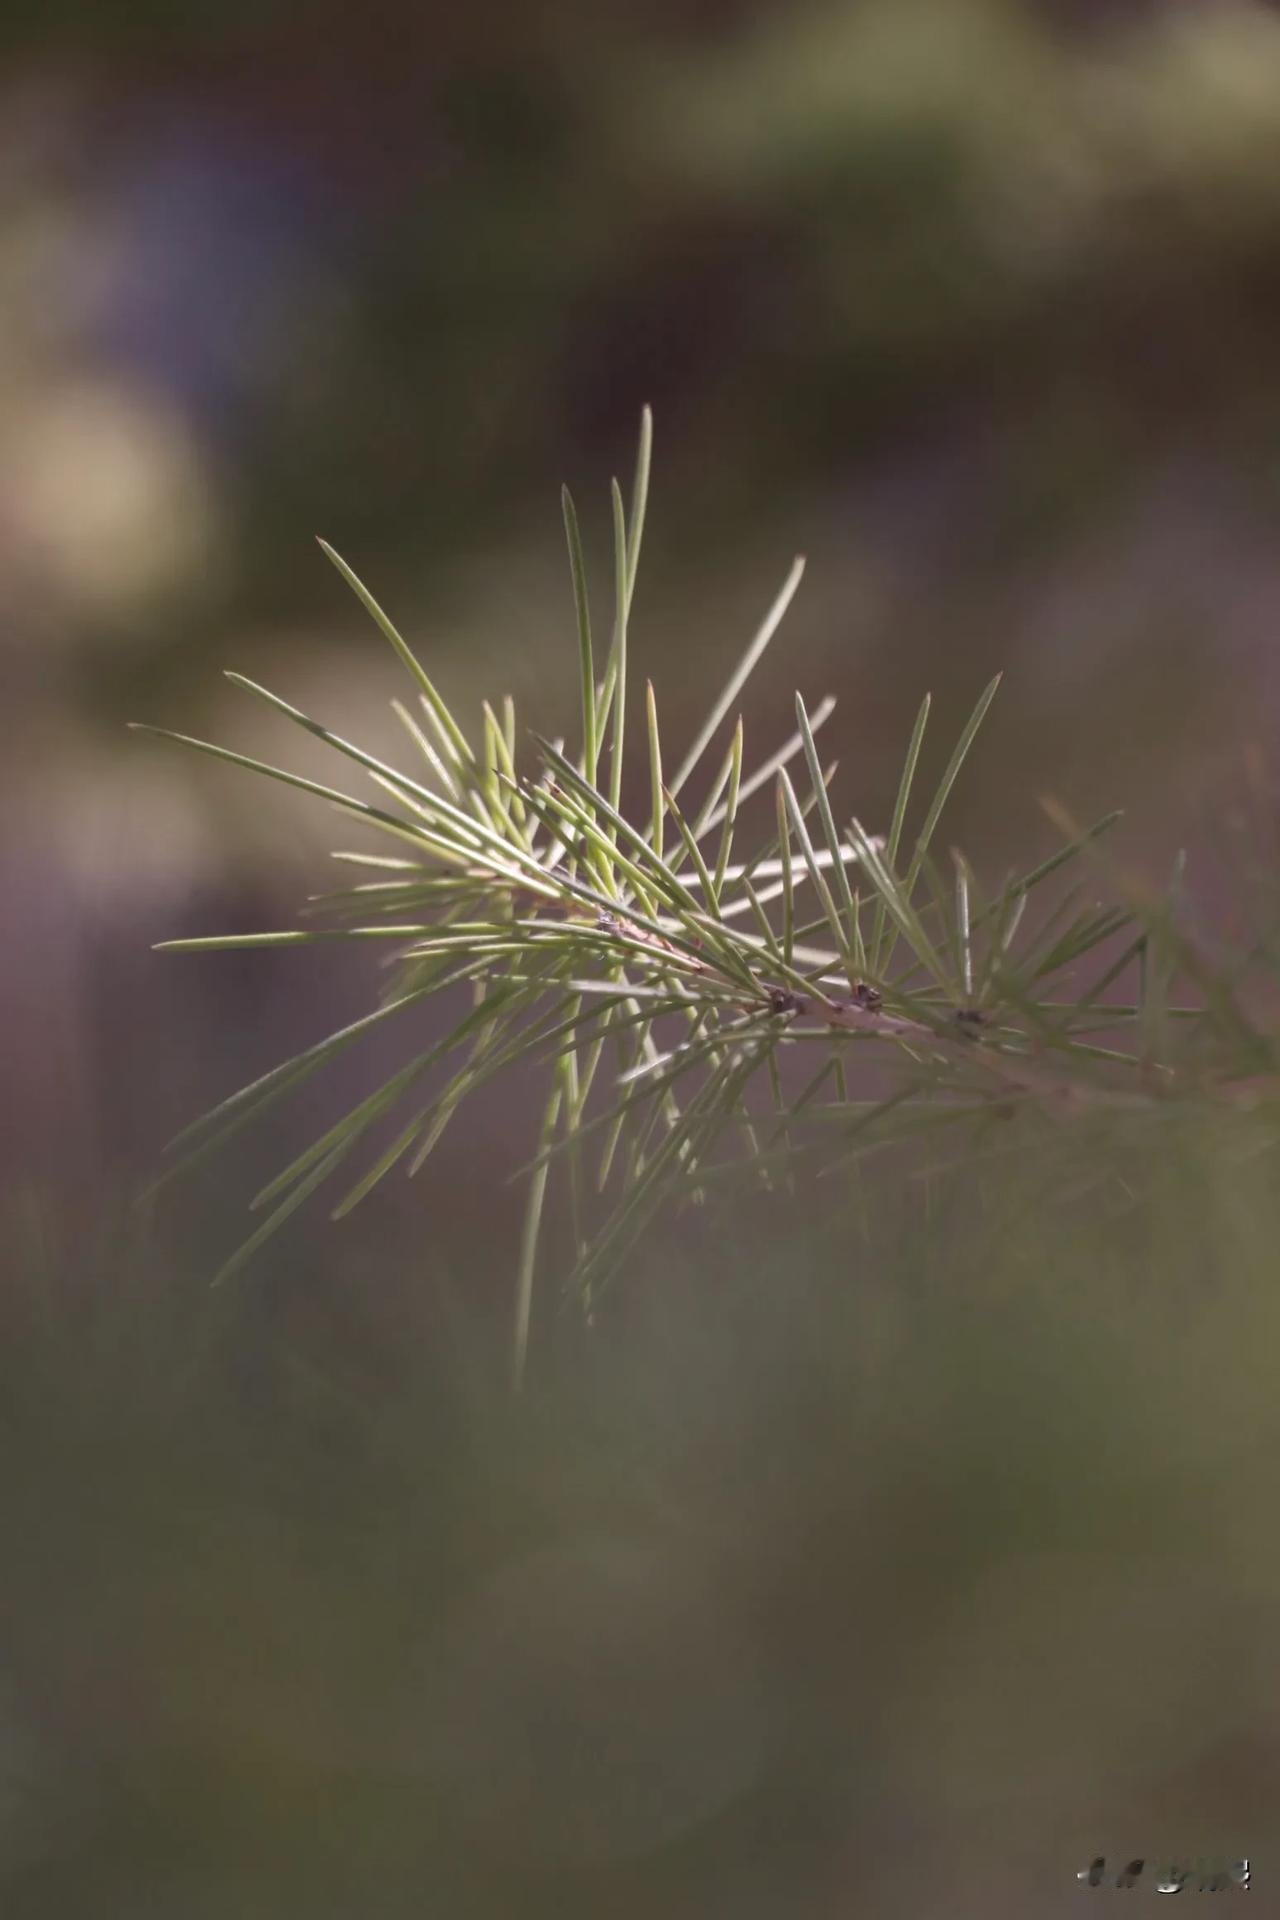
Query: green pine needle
[659, 982]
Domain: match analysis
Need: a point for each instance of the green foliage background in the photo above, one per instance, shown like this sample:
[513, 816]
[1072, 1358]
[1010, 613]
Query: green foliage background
[914, 1560]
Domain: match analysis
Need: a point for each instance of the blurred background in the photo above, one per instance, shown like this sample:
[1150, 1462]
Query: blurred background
[974, 302]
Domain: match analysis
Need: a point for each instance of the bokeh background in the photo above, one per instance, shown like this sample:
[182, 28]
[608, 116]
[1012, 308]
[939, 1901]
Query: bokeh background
[974, 302]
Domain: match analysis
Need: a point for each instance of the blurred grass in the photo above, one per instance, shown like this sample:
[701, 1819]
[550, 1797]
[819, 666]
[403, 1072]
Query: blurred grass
[911, 1551]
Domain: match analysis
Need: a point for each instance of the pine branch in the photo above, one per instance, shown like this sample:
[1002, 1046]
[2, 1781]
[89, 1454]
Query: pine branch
[578, 937]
